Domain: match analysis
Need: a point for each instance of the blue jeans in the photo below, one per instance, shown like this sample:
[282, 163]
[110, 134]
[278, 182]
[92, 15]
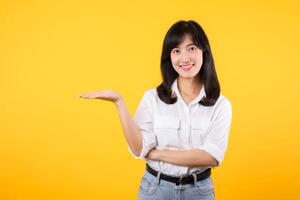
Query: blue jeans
[154, 188]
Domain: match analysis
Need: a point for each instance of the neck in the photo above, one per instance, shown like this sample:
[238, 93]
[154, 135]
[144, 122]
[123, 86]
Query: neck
[190, 87]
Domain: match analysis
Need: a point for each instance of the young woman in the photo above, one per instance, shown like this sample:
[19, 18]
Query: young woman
[180, 128]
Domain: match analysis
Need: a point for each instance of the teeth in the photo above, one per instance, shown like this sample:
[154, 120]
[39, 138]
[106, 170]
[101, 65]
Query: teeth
[186, 66]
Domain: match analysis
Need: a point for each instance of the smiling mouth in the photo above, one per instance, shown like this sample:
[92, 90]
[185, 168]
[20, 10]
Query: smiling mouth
[186, 67]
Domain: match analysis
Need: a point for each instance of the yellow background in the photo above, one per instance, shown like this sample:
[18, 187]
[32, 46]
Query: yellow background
[54, 145]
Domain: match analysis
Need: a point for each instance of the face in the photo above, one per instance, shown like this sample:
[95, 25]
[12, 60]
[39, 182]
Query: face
[187, 58]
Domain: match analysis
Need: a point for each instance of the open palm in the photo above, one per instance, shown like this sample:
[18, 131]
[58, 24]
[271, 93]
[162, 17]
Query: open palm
[108, 95]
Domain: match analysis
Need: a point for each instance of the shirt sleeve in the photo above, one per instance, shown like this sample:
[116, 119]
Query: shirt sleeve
[143, 118]
[216, 139]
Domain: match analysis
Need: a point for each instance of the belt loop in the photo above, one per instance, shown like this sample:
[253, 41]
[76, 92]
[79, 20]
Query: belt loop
[195, 178]
[158, 177]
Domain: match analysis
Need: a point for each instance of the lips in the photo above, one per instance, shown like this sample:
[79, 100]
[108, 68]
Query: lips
[186, 67]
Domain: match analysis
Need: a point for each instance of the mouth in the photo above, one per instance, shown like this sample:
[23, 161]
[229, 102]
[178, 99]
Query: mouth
[187, 67]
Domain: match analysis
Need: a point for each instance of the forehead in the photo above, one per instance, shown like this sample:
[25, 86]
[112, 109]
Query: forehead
[187, 40]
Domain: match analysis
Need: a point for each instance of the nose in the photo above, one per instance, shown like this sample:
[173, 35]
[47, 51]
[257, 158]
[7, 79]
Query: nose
[185, 57]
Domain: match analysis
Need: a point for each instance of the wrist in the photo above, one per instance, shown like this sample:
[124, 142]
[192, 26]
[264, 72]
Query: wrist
[119, 102]
[157, 155]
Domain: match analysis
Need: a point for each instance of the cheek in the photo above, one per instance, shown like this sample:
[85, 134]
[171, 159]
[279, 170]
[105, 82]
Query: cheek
[201, 60]
[174, 61]
[198, 56]
[201, 57]
[198, 59]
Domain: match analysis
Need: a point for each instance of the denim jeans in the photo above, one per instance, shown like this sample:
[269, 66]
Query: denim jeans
[154, 188]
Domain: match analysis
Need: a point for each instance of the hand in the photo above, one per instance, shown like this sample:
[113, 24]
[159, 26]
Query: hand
[153, 154]
[108, 95]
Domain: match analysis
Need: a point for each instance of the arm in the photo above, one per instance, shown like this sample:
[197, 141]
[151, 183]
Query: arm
[190, 158]
[132, 133]
[212, 152]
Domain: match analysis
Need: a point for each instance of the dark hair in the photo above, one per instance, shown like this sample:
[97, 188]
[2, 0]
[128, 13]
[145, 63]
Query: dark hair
[207, 74]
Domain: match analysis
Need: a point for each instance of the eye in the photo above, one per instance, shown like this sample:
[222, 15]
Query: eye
[175, 51]
[193, 49]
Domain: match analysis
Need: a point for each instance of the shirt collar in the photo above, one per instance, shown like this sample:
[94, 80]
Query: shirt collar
[196, 100]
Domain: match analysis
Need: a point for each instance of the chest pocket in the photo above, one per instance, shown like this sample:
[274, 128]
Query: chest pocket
[199, 127]
[167, 130]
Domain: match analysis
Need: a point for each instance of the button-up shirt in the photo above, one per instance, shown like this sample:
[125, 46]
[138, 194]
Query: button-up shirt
[180, 126]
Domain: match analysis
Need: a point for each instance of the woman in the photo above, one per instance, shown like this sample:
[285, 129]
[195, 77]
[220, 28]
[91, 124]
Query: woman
[180, 128]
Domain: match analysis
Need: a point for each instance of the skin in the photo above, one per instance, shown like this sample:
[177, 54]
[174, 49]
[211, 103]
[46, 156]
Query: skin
[185, 54]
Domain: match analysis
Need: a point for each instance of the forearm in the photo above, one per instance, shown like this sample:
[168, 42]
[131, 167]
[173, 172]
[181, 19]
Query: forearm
[190, 158]
[131, 132]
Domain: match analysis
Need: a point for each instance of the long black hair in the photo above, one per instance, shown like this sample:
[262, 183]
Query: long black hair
[207, 74]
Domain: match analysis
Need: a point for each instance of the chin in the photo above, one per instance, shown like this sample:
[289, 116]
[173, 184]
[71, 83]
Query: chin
[184, 76]
[188, 75]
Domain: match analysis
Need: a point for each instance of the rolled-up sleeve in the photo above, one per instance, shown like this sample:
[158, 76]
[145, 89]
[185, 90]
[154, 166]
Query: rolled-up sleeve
[216, 139]
[143, 118]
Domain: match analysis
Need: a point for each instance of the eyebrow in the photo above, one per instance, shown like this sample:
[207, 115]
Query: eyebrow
[187, 45]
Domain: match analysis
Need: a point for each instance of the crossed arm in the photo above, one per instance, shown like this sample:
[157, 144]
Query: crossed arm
[190, 158]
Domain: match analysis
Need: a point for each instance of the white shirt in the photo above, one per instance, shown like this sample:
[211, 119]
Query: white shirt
[181, 126]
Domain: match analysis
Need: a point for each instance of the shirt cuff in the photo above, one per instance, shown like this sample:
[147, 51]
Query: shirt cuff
[214, 151]
[145, 150]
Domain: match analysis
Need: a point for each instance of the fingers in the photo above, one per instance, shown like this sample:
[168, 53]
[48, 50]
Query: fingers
[85, 96]
[97, 95]
[92, 96]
